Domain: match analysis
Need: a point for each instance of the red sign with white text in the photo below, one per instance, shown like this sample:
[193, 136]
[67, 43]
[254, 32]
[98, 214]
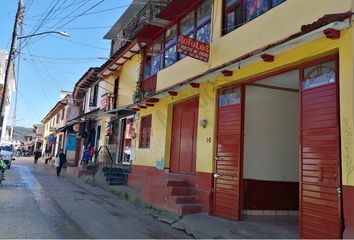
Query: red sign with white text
[193, 48]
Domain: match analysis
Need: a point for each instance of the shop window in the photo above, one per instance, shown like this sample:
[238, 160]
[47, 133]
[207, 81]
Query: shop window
[232, 15]
[187, 24]
[170, 55]
[276, 2]
[145, 132]
[203, 22]
[93, 96]
[255, 8]
[319, 75]
[163, 53]
[112, 128]
[152, 63]
[203, 34]
[230, 97]
[237, 12]
[115, 92]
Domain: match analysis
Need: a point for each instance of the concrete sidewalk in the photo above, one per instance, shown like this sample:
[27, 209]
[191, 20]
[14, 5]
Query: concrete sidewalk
[202, 225]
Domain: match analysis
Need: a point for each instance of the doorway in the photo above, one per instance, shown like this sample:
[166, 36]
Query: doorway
[288, 158]
[271, 151]
[184, 136]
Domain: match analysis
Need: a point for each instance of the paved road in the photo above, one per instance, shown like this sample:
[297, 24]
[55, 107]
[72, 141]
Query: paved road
[34, 203]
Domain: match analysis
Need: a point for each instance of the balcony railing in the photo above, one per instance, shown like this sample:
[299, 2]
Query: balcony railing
[143, 18]
[148, 85]
[147, 88]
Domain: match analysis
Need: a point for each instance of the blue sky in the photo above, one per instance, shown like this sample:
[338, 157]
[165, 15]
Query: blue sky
[51, 63]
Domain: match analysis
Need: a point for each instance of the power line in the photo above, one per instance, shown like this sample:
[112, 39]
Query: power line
[81, 43]
[91, 13]
[63, 8]
[29, 106]
[43, 85]
[61, 58]
[77, 28]
[82, 13]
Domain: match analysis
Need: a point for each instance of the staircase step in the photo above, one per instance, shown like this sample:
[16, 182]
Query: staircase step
[109, 179]
[115, 174]
[116, 169]
[190, 208]
[116, 183]
[185, 199]
[181, 191]
[177, 183]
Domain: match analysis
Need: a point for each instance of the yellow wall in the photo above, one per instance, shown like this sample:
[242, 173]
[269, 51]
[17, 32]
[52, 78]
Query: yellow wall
[287, 19]
[127, 80]
[128, 76]
[346, 89]
[162, 111]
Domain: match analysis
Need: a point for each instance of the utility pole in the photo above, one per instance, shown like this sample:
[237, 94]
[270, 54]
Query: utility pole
[18, 22]
[16, 92]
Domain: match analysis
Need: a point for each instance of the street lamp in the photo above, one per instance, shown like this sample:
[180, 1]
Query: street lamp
[65, 34]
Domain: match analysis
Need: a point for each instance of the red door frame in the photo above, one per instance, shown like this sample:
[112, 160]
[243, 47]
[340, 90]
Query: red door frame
[298, 67]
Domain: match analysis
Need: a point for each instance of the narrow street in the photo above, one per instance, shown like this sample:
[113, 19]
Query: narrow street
[35, 203]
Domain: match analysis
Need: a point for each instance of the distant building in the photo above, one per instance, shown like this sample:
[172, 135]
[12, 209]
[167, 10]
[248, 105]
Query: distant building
[55, 125]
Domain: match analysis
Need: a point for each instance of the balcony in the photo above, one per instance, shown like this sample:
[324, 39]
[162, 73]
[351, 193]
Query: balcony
[146, 16]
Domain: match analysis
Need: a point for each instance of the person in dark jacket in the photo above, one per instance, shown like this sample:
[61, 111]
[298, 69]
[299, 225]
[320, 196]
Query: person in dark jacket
[37, 155]
[60, 161]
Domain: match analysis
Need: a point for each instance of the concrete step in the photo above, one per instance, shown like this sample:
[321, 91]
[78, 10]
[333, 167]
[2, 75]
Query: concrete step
[90, 167]
[183, 191]
[185, 199]
[189, 208]
[116, 183]
[177, 183]
[116, 169]
[115, 174]
[109, 179]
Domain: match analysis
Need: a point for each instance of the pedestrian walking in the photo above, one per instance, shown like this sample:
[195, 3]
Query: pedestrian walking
[60, 160]
[37, 155]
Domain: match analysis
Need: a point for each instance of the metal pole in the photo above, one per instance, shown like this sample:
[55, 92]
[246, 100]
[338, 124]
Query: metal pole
[18, 22]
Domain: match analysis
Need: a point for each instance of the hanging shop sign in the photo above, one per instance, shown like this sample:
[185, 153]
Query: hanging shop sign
[193, 48]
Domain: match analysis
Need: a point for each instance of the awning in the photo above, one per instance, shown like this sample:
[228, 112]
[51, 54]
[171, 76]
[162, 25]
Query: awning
[89, 115]
[121, 112]
[62, 129]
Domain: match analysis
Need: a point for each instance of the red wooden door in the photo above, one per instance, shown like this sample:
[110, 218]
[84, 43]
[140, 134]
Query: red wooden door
[227, 179]
[184, 136]
[320, 203]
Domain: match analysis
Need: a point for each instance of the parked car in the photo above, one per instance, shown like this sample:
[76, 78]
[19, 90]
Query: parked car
[7, 153]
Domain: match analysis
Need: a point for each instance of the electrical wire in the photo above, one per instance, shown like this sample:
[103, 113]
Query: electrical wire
[81, 43]
[42, 84]
[63, 8]
[78, 28]
[91, 13]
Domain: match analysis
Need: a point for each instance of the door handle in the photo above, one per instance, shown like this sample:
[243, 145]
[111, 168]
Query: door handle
[216, 175]
[339, 191]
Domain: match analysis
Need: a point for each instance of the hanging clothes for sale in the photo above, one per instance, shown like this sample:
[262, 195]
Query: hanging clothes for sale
[86, 155]
[71, 142]
[90, 139]
[92, 152]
